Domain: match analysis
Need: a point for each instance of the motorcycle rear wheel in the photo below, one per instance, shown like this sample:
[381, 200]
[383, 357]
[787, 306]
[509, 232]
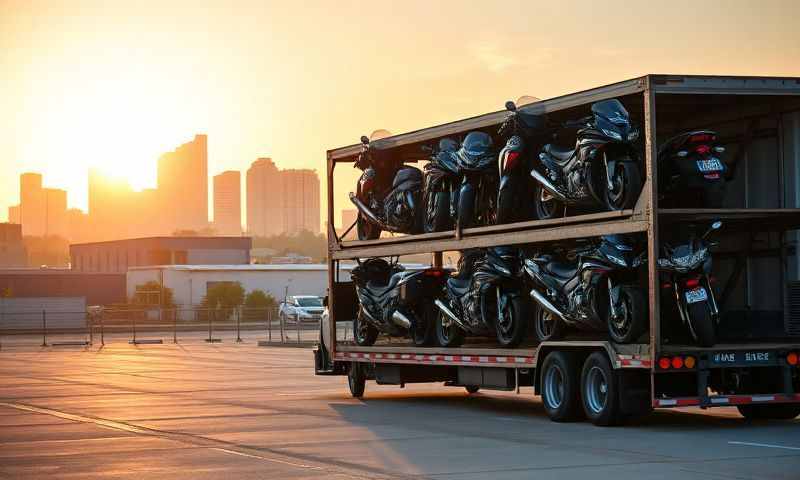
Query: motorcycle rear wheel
[702, 323]
[627, 182]
[545, 206]
[364, 332]
[547, 326]
[512, 327]
[437, 216]
[448, 335]
[631, 320]
[367, 230]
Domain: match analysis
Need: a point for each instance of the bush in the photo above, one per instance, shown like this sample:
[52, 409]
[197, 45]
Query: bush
[257, 303]
[223, 298]
[148, 294]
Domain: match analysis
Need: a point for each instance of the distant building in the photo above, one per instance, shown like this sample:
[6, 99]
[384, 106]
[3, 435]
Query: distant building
[12, 250]
[32, 204]
[78, 225]
[228, 203]
[118, 256]
[281, 201]
[55, 212]
[14, 214]
[97, 288]
[183, 185]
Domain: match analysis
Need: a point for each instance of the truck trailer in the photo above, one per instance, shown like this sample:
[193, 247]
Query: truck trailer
[754, 363]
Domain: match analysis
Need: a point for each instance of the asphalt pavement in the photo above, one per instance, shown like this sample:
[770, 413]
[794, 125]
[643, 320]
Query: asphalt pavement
[239, 411]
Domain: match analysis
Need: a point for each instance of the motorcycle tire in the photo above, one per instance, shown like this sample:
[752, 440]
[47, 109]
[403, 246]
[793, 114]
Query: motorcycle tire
[423, 332]
[511, 331]
[507, 208]
[628, 185]
[702, 323]
[466, 208]
[367, 230]
[632, 320]
[547, 326]
[437, 218]
[364, 332]
[546, 209]
[448, 336]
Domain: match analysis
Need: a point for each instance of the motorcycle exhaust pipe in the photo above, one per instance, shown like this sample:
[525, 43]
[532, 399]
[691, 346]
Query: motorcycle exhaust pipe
[546, 304]
[450, 314]
[367, 212]
[401, 320]
[551, 189]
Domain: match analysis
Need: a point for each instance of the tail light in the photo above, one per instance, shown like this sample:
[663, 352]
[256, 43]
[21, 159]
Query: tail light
[689, 362]
[510, 161]
[664, 363]
[692, 283]
[704, 137]
[434, 273]
[703, 149]
[677, 362]
[792, 359]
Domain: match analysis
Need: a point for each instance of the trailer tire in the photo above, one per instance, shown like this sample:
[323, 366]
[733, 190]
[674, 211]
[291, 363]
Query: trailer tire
[356, 380]
[784, 411]
[600, 391]
[560, 387]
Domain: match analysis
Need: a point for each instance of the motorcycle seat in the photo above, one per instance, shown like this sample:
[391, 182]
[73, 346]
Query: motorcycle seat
[379, 288]
[558, 154]
[562, 270]
[458, 286]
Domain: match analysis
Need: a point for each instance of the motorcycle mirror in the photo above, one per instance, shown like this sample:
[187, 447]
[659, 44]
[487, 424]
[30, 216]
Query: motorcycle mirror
[364, 139]
[511, 106]
[714, 226]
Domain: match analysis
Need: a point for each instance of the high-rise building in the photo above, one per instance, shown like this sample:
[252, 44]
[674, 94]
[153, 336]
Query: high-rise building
[183, 185]
[78, 227]
[264, 199]
[228, 203]
[55, 212]
[12, 250]
[14, 214]
[301, 201]
[32, 204]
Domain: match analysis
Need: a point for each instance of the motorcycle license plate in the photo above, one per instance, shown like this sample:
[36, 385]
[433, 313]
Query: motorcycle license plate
[697, 295]
[710, 165]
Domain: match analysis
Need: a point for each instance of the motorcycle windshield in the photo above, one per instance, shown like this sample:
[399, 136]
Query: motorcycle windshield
[612, 119]
[475, 152]
[687, 257]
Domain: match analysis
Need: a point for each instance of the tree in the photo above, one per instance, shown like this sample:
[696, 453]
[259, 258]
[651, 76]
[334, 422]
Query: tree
[151, 293]
[223, 298]
[257, 303]
[303, 243]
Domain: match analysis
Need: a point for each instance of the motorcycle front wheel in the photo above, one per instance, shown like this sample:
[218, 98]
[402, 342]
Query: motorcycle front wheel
[631, 319]
[367, 230]
[702, 321]
[364, 332]
[547, 326]
[437, 217]
[545, 206]
[626, 185]
[511, 323]
[448, 334]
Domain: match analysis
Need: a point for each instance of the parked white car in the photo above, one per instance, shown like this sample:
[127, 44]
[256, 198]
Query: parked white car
[301, 307]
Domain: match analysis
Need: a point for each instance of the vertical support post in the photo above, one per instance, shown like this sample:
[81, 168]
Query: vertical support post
[651, 213]
[175, 325]
[238, 325]
[134, 327]
[90, 324]
[269, 324]
[102, 328]
[437, 259]
[332, 265]
[211, 313]
[297, 325]
[44, 328]
[282, 320]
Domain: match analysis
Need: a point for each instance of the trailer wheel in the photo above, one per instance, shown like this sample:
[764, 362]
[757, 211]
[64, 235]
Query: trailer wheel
[356, 380]
[784, 411]
[560, 387]
[599, 391]
[472, 389]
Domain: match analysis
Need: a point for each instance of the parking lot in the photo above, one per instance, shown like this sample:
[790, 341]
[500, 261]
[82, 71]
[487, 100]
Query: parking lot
[228, 410]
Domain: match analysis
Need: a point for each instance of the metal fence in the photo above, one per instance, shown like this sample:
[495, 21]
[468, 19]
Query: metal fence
[148, 325]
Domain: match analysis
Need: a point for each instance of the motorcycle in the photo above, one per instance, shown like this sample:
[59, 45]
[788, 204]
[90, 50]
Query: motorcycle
[603, 169]
[597, 291]
[690, 171]
[686, 269]
[483, 298]
[382, 205]
[395, 301]
[461, 184]
[442, 186]
[524, 131]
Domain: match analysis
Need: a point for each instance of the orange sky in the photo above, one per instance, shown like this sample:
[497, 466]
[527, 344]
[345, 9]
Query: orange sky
[114, 84]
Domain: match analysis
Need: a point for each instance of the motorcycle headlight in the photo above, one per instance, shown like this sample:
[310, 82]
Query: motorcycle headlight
[612, 134]
[617, 260]
[690, 261]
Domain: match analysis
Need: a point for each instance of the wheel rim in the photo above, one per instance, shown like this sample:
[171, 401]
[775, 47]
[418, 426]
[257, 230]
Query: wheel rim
[362, 330]
[445, 330]
[617, 193]
[554, 387]
[596, 388]
[547, 203]
[545, 324]
[505, 323]
[621, 324]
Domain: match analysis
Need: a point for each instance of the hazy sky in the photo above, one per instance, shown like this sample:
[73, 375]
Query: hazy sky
[113, 84]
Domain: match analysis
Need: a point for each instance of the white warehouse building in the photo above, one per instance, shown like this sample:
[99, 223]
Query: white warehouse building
[189, 283]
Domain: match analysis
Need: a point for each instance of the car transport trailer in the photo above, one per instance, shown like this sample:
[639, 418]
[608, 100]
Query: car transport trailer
[753, 365]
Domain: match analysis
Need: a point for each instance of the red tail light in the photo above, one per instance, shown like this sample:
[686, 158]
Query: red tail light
[511, 160]
[677, 362]
[692, 283]
[792, 359]
[434, 273]
[703, 149]
[701, 138]
[664, 363]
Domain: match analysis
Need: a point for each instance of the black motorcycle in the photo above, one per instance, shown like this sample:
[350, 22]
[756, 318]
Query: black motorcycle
[691, 173]
[596, 291]
[524, 132]
[442, 186]
[484, 298]
[602, 170]
[461, 185]
[685, 270]
[395, 301]
[387, 195]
